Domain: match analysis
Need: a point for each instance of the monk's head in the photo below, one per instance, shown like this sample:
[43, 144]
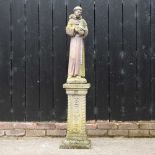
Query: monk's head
[77, 11]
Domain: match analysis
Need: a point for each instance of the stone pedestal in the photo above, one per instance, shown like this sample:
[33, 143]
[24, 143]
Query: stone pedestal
[76, 120]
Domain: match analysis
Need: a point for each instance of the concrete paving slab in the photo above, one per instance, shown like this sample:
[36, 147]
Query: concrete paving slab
[100, 146]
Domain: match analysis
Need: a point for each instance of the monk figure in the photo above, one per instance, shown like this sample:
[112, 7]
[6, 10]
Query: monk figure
[77, 29]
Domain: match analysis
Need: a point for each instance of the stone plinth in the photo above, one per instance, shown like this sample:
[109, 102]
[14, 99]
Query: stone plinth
[76, 120]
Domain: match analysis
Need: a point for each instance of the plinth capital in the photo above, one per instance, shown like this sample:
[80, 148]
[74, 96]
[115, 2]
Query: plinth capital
[76, 85]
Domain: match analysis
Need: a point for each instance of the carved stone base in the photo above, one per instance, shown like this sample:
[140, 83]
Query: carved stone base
[75, 144]
[76, 117]
[76, 80]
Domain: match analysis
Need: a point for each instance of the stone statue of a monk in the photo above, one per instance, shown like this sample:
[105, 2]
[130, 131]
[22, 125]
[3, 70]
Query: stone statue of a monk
[77, 29]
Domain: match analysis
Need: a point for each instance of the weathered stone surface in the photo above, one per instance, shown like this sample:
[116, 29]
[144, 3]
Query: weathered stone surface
[95, 128]
[76, 80]
[24, 125]
[6, 125]
[147, 125]
[56, 133]
[106, 125]
[91, 126]
[127, 126]
[45, 125]
[76, 86]
[2, 133]
[15, 132]
[152, 133]
[97, 133]
[75, 144]
[33, 125]
[139, 133]
[91, 122]
[35, 133]
[118, 133]
[61, 126]
[76, 118]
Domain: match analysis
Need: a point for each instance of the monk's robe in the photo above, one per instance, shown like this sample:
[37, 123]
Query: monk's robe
[76, 66]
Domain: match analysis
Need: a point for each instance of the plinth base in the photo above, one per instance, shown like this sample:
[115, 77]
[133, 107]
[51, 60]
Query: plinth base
[75, 144]
[76, 137]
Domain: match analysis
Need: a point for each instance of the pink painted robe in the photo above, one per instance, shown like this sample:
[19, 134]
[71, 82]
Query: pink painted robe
[76, 65]
[75, 58]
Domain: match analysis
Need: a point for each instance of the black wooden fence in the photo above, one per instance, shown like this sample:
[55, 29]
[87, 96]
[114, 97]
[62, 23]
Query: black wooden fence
[120, 59]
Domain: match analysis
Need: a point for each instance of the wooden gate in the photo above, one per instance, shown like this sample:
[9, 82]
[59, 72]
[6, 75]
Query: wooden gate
[120, 59]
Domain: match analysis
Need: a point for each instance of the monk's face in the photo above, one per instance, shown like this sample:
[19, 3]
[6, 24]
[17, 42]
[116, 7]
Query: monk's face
[78, 13]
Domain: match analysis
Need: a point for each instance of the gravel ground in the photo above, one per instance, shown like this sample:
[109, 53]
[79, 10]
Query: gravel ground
[100, 146]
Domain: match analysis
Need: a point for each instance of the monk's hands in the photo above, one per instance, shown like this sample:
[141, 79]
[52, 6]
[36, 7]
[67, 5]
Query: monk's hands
[79, 31]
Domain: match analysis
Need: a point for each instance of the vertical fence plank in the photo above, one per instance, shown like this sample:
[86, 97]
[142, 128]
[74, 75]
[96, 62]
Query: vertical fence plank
[152, 108]
[120, 59]
[32, 61]
[102, 58]
[18, 63]
[129, 54]
[116, 61]
[46, 61]
[5, 103]
[88, 14]
[143, 59]
[60, 66]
